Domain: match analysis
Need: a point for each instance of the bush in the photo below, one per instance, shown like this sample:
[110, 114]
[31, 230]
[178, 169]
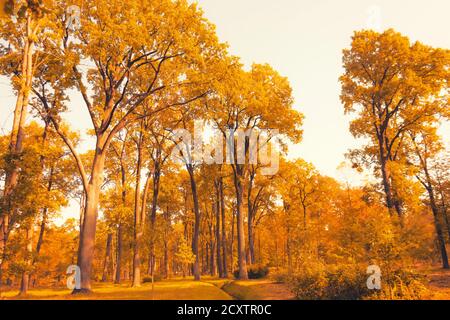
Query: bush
[156, 278]
[255, 271]
[309, 285]
[346, 283]
[402, 285]
[349, 282]
[279, 276]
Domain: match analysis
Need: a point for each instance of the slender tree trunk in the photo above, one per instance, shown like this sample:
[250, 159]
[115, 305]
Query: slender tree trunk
[251, 240]
[224, 237]
[44, 211]
[286, 207]
[437, 219]
[42, 231]
[212, 256]
[40, 240]
[166, 259]
[288, 249]
[195, 238]
[218, 229]
[250, 220]
[137, 220]
[439, 229]
[156, 183]
[166, 242]
[232, 241]
[242, 263]
[106, 262]
[29, 252]
[139, 211]
[119, 249]
[305, 215]
[444, 208]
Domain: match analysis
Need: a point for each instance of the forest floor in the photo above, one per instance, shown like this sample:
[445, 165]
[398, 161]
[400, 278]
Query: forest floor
[177, 289]
[438, 283]
[208, 289]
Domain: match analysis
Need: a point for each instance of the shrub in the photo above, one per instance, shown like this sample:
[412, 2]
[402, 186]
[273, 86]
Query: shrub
[338, 283]
[349, 282]
[401, 285]
[255, 271]
[279, 276]
[156, 278]
[346, 283]
[309, 285]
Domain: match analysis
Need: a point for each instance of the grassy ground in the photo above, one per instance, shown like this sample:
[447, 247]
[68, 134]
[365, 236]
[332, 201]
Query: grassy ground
[208, 289]
[179, 289]
[164, 290]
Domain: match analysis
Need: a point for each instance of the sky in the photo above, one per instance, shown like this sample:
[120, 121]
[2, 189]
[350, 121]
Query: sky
[303, 40]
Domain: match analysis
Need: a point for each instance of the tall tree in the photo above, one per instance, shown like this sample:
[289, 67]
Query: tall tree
[385, 82]
[17, 62]
[132, 66]
[245, 103]
[425, 146]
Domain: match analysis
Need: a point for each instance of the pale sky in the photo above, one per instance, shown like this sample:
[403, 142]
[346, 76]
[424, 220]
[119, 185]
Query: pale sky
[303, 40]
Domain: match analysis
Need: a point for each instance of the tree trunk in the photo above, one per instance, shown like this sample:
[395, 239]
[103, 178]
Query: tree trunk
[139, 213]
[392, 205]
[251, 240]
[232, 241]
[166, 242]
[119, 252]
[444, 208]
[224, 237]
[250, 220]
[156, 182]
[434, 208]
[439, 229]
[212, 256]
[196, 267]
[16, 141]
[29, 252]
[106, 266]
[87, 234]
[243, 275]
[218, 229]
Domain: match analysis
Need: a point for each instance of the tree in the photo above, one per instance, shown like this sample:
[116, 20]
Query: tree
[132, 66]
[45, 183]
[184, 254]
[248, 102]
[386, 81]
[425, 147]
[17, 62]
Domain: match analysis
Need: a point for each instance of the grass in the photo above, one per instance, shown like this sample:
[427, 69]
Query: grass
[208, 289]
[164, 290]
[178, 289]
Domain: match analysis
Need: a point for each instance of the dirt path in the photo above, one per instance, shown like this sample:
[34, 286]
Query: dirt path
[257, 290]
[439, 284]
